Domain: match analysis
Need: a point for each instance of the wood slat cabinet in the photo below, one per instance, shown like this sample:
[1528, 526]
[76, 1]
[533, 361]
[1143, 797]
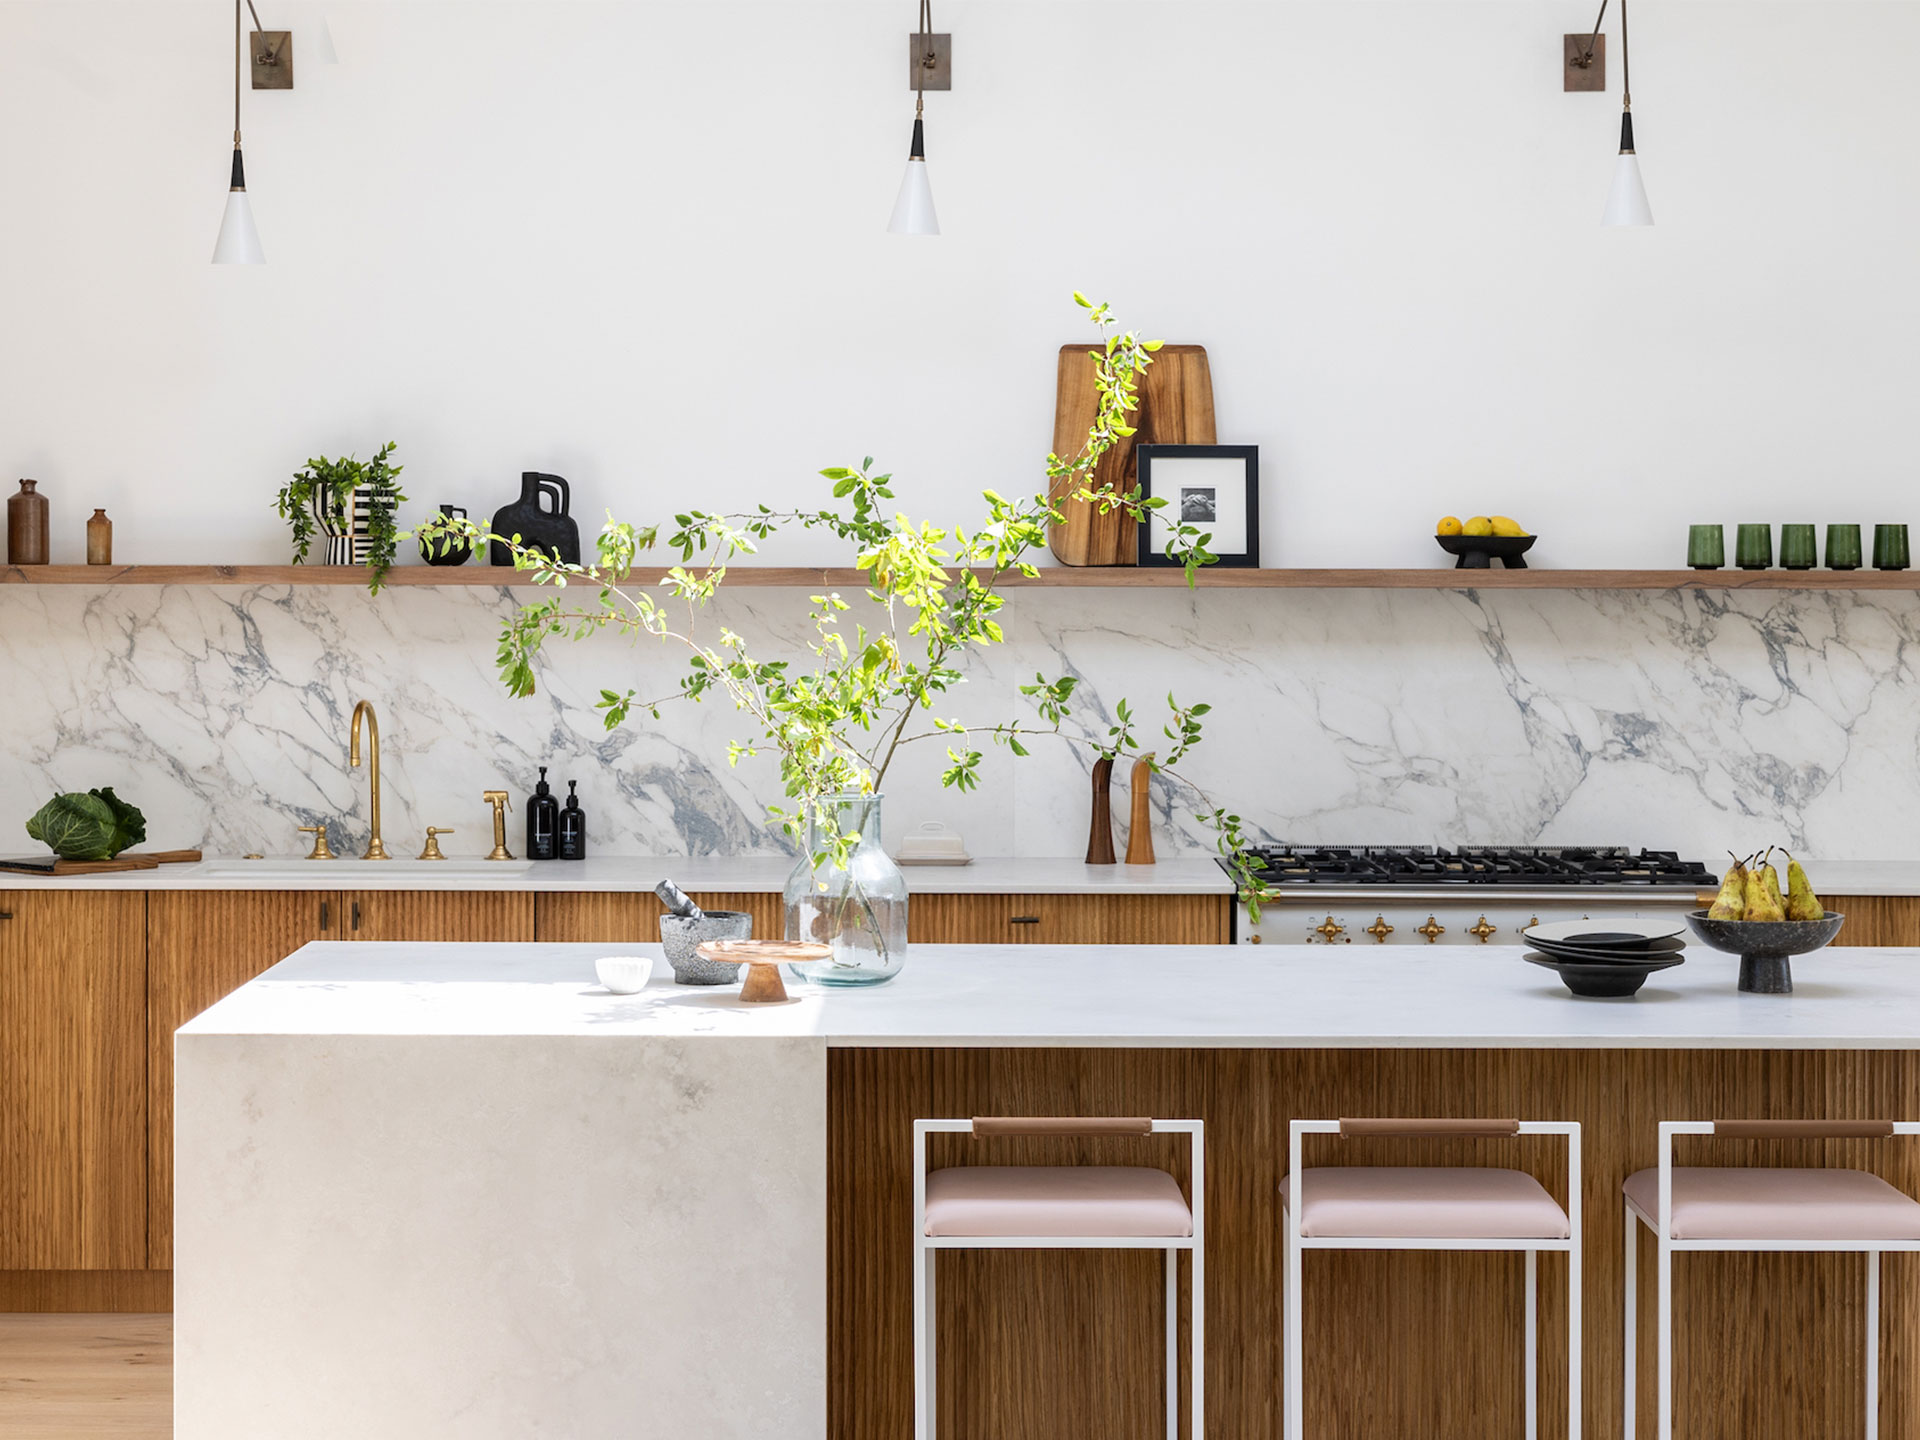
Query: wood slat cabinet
[204, 945]
[73, 1086]
[1100, 919]
[591, 917]
[1877, 919]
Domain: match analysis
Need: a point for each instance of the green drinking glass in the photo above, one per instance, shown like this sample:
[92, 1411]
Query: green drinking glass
[1706, 546]
[1753, 547]
[1843, 547]
[1799, 547]
[1890, 547]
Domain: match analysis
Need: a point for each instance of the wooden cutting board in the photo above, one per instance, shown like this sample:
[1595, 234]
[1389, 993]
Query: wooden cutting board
[1176, 408]
[126, 860]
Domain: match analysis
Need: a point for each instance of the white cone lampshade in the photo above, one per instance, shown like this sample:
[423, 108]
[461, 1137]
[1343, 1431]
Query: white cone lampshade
[1627, 201]
[239, 242]
[323, 50]
[913, 207]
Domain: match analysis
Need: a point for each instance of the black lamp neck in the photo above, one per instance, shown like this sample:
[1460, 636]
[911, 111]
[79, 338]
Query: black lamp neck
[1626, 132]
[918, 152]
[239, 173]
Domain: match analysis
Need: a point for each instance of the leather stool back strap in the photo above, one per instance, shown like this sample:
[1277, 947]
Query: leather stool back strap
[1061, 1125]
[1356, 1129]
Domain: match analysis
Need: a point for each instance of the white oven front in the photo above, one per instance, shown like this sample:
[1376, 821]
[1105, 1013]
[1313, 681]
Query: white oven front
[1387, 918]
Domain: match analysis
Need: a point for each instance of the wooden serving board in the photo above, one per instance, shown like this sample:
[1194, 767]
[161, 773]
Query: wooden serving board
[126, 860]
[1176, 408]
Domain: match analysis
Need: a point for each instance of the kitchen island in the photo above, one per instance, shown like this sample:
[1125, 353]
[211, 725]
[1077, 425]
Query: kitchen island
[509, 1203]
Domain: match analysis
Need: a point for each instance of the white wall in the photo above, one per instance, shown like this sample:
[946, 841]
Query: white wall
[641, 244]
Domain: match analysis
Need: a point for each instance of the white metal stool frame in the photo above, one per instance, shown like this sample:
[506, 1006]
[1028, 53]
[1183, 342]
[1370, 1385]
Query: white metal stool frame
[1296, 1243]
[1662, 1227]
[926, 1249]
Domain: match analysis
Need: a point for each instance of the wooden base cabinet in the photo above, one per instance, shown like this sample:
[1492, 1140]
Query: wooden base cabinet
[1101, 919]
[73, 1085]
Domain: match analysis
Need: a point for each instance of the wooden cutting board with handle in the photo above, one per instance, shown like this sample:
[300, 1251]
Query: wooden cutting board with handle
[125, 860]
[1176, 408]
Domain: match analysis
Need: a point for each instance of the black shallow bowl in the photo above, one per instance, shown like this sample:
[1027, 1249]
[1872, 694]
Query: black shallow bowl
[1641, 949]
[1605, 979]
[1478, 552]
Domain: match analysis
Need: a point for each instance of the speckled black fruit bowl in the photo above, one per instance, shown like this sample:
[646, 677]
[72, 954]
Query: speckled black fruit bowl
[1764, 946]
[1605, 979]
[1478, 552]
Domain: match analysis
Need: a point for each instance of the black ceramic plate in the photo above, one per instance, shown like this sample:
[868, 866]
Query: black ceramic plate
[1606, 980]
[1605, 933]
[1641, 950]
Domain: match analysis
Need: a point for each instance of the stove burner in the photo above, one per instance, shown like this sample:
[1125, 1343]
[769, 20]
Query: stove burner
[1283, 865]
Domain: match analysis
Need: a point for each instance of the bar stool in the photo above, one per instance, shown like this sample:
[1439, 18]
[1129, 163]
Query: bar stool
[1059, 1207]
[1756, 1209]
[1432, 1208]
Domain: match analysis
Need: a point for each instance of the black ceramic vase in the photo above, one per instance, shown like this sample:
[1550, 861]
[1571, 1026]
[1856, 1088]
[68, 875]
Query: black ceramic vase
[446, 551]
[550, 530]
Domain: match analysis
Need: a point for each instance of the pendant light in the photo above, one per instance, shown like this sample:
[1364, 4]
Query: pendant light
[928, 56]
[322, 42]
[239, 242]
[1627, 201]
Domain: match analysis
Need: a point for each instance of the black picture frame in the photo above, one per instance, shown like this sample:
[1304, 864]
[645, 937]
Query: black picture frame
[1154, 555]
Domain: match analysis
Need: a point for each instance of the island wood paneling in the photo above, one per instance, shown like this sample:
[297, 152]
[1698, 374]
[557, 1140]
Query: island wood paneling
[1055, 1347]
[123, 1292]
[1106, 918]
[589, 917]
[73, 1085]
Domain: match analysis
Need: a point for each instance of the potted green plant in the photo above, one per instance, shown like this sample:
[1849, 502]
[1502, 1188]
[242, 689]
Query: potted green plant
[872, 689]
[354, 504]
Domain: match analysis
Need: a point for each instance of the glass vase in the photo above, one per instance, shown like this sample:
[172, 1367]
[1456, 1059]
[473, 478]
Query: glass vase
[859, 908]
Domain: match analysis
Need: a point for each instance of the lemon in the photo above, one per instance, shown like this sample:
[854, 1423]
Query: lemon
[1502, 525]
[1478, 525]
[1448, 526]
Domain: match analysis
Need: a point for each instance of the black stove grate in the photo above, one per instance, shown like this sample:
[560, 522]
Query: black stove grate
[1513, 866]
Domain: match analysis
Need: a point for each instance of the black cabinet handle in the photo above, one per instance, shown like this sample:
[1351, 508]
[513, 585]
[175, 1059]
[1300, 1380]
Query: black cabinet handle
[356, 916]
[326, 917]
[1026, 920]
[6, 914]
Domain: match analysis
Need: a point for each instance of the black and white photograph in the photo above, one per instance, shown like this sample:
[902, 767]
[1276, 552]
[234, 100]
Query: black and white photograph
[1213, 488]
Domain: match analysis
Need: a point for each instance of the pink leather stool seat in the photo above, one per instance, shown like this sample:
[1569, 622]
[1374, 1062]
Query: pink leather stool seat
[1417, 1202]
[1055, 1200]
[1725, 1203]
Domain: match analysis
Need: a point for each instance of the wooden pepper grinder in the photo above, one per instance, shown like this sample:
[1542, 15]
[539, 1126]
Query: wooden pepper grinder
[27, 525]
[1140, 829]
[1100, 831]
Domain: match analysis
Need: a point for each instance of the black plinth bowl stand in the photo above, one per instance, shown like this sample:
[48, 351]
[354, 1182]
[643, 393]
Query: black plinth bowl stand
[1766, 947]
[1478, 552]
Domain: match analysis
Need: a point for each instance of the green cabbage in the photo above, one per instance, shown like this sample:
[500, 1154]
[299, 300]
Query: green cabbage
[95, 826]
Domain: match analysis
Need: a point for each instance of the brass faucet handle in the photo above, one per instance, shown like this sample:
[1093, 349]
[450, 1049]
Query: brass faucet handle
[434, 832]
[501, 803]
[321, 850]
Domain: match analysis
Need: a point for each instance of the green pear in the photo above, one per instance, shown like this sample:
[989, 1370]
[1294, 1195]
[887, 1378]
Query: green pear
[1731, 903]
[1763, 893]
[1802, 903]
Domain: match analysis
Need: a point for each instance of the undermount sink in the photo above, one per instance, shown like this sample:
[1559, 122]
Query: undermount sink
[357, 870]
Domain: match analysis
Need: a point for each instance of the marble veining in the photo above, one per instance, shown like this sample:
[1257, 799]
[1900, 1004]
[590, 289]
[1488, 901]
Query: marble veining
[1697, 719]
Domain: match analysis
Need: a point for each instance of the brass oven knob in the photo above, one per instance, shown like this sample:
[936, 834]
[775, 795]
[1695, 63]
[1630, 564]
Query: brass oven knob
[1379, 929]
[1482, 929]
[1329, 929]
[1433, 929]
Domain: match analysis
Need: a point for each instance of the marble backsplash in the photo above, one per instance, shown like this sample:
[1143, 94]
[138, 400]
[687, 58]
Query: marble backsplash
[1699, 720]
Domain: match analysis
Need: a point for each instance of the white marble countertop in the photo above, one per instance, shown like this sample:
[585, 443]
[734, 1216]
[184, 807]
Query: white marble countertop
[766, 874]
[1071, 995]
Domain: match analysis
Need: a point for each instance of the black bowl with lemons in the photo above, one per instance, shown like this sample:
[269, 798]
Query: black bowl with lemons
[1478, 552]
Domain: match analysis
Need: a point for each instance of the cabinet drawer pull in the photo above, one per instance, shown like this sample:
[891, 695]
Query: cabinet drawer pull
[1026, 920]
[326, 917]
[6, 914]
[356, 916]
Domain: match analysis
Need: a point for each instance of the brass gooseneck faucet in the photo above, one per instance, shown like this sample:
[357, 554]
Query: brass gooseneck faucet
[375, 850]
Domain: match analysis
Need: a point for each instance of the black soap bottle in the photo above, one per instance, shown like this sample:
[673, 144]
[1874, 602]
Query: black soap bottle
[543, 821]
[573, 826]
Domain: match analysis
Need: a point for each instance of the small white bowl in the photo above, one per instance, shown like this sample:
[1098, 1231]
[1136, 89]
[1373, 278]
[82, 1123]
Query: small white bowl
[624, 974]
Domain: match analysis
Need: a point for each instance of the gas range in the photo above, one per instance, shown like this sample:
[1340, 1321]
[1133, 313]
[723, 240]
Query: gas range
[1426, 895]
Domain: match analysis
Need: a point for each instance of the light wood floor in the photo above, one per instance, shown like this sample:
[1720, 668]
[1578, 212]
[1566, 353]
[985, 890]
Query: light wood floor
[70, 1377]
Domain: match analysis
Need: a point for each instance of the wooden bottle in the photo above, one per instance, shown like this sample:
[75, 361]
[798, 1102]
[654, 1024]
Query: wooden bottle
[27, 526]
[1140, 829]
[1100, 831]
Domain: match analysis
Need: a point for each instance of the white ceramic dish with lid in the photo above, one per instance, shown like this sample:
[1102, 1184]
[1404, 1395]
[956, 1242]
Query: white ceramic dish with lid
[933, 844]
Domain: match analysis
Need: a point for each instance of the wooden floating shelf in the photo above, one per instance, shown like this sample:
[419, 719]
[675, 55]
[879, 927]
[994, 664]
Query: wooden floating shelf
[1118, 578]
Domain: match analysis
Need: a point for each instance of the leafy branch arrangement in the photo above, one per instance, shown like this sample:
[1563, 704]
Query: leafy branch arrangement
[874, 688]
[325, 488]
